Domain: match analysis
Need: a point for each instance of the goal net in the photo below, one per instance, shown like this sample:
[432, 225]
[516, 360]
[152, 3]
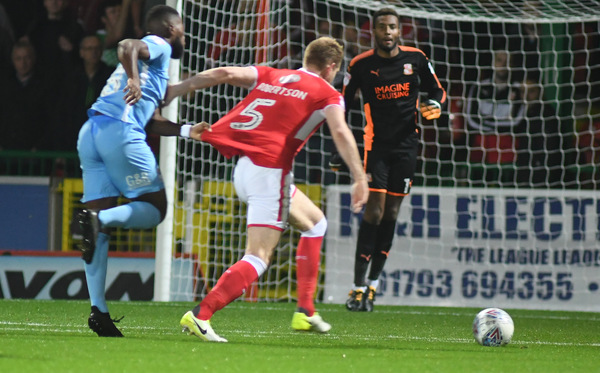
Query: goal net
[503, 207]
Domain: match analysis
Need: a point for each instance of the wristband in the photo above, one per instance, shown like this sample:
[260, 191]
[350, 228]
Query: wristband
[185, 130]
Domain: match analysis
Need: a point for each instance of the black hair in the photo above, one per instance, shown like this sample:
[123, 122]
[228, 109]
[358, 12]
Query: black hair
[157, 20]
[385, 12]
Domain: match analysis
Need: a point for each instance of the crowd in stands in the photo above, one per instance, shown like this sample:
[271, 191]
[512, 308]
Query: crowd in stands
[516, 123]
[504, 125]
[56, 56]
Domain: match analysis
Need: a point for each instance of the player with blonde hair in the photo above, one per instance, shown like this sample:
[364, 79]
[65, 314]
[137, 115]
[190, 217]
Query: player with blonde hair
[267, 129]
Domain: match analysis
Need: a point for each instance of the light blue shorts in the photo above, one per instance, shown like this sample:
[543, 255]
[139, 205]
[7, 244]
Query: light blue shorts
[116, 160]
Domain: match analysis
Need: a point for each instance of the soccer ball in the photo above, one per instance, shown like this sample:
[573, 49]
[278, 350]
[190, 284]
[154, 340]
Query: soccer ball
[493, 327]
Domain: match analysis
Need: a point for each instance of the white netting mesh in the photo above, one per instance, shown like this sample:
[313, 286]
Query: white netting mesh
[552, 46]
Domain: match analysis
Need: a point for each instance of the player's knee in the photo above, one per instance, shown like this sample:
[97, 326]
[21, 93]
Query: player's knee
[390, 213]
[263, 253]
[160, 209]
[156, 199]
[373, 216]
[318, 230]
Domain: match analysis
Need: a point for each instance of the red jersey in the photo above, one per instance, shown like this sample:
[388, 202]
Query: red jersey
[272, 123]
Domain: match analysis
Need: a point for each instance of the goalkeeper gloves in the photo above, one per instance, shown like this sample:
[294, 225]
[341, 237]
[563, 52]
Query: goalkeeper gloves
[431, 109]
[335, 162]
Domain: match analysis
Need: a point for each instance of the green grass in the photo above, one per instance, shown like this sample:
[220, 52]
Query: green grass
[52, 336]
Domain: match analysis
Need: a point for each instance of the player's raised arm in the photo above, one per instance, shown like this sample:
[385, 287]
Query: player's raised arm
[244, 77]
[348, 150]
[129, 51]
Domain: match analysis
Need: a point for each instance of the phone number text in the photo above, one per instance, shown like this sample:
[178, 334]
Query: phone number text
[471, 284]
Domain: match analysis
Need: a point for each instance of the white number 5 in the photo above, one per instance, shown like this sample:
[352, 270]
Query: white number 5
[255, 117]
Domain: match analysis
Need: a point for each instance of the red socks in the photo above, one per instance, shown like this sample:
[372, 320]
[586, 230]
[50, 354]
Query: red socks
[236, 279]
[308, 259]
[230, 286]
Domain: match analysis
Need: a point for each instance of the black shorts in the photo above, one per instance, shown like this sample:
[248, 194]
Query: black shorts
[392, 170]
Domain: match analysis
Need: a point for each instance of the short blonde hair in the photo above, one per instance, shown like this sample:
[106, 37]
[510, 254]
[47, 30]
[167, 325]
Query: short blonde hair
[322, 52]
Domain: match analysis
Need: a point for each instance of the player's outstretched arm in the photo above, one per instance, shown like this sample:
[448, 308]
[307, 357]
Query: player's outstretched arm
[129, 52]
[244, 77]
[164, 127]
[348, 150]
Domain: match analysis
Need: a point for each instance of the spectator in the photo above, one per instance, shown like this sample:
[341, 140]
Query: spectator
[56, 38]
[241, 43]
[301, 20]
[351, 47]
[525, 39]
[326, 27]
[23, 98]
[585, 42]
[493, 109]
[233, 45]
[115, 15]
[350, 40]
[86, 12]
[82, 86]
[22, 13]
[316, 28]
[365, 37]
[304, 27]
[540, 161]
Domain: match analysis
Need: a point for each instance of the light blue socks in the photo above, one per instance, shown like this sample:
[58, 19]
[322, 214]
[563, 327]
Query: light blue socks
[134, 215]
[95, 273]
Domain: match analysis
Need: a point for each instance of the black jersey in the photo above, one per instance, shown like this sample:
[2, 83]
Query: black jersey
[390, 88]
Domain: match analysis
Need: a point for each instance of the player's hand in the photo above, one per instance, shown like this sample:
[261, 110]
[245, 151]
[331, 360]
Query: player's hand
[431, 109]
[197, 130]
[133, 91]
[335, 162]
[359, 194]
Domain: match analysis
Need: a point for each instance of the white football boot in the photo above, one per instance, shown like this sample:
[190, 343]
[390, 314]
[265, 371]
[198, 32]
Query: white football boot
[199, 328]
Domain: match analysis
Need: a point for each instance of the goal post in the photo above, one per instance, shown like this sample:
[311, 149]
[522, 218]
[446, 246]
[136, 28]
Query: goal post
[167, 161]
[476, 228]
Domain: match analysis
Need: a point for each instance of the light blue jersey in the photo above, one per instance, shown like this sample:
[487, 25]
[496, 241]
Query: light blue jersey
[154, 76]
[115, 157]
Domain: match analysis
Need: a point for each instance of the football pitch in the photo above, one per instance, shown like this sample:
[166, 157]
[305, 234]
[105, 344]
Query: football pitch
[52, 336]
